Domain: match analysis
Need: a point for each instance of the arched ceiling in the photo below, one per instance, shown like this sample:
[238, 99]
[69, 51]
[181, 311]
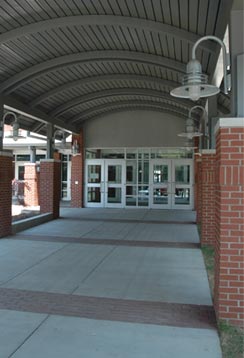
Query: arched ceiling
[69, 61]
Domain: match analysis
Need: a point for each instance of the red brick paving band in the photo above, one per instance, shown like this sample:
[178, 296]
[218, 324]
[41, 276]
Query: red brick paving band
[144, 312]
[92, 241]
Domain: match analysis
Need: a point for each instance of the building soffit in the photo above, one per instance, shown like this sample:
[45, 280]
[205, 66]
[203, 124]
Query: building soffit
[66, 62]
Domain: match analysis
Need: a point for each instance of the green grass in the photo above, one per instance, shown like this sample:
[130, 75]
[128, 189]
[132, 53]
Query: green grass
[231, 338]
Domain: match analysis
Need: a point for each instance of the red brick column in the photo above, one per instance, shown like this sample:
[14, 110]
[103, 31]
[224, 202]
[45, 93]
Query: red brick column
[5, 194]
[229, 251]
[31, 190]
[50, 186]
[198, 189]
[77, 181]
[77, 171]
[208, 188]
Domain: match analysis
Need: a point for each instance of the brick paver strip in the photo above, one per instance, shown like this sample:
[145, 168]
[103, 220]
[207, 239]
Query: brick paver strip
[134, 221]
[145, 312]
[114, 242]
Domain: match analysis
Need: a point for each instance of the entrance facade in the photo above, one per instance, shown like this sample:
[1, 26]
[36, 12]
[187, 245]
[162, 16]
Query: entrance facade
[139, 180]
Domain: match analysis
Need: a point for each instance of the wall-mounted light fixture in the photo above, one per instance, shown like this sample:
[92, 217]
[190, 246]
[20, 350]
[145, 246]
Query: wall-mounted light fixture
[75, 149]
[15, 127]
[192, 126]
[63, 144]
[195, 83]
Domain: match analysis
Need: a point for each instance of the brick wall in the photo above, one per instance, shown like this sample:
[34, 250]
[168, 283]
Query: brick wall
[208, 191]
[31, 190]
[5, 194]
[229, 251]
[77, 181]
[50, 186]
[198, 189]
[77, 170]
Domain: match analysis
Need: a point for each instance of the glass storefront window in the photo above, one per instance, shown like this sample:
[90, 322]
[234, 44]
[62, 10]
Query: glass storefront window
[114, 195]
[23, 157]
[112, 153]
[94, 195]
[114, 174]
[131, 154]
[94, 173]
[131, 171]
[160, 196]
[182, 196]
[21, 172]
[64, 171]
[182, 174]
[160, 174]
[143, 172]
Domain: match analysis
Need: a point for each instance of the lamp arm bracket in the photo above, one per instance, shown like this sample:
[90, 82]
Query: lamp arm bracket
[226, 60]
[195, 107]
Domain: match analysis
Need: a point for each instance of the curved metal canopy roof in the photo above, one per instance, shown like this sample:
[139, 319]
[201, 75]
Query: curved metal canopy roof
[69, 61]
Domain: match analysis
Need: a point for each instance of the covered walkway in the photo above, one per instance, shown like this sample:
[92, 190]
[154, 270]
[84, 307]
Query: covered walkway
[107, 283]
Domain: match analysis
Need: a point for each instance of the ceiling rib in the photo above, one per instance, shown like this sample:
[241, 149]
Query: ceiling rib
[113, 92]
[105, 20]
[15, 105]
[95, 79]
[33, 72]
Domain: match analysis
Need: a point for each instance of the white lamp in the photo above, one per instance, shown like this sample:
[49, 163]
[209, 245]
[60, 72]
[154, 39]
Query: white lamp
[15, 127]
[195, 83]
[190, 131]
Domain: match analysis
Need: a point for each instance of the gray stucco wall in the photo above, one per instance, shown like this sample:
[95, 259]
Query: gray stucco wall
[134, 129]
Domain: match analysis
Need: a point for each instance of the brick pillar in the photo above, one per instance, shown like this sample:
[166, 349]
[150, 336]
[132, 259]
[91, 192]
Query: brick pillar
[5, 194]
[50, 186]
[77, 170]
[229, 256]
[198, 189]
[208, 188]
[31, 190]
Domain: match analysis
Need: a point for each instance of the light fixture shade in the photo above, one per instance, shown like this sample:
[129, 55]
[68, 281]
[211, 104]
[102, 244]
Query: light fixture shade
[190, 135]
[194, 83]
[15, 130]
[203, 91]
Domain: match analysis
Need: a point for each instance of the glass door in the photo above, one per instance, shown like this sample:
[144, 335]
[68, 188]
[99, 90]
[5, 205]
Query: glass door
[114, 183]
[95, 183]
[171, 184]
[160, 195]
[182, 184]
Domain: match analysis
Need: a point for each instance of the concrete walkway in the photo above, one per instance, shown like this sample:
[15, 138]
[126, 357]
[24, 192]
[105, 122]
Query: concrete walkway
[101, 283]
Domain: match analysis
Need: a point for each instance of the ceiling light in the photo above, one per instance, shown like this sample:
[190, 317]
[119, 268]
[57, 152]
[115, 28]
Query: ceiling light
[195, 83]
[190, 125]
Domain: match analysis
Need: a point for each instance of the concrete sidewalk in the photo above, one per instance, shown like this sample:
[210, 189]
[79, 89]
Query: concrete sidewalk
[107, 283]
